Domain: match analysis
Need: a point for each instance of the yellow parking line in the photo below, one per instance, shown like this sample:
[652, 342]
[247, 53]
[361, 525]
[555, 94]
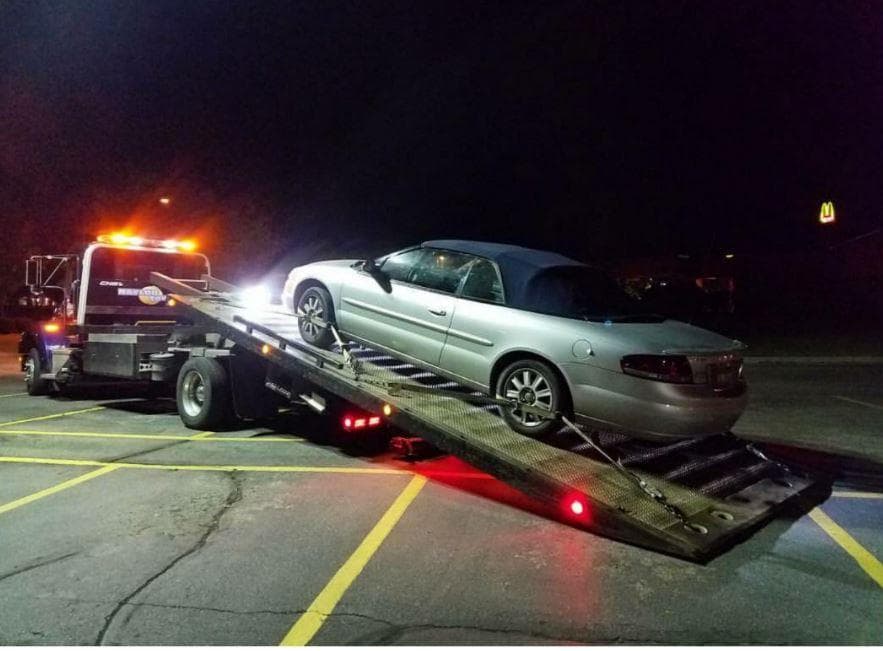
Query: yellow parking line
[64, 413]
[850, 545]
[145, 437]
[858, 495]
[201, 435]
[33, 497]
[324, 604]
[13, 395]
[344, 470]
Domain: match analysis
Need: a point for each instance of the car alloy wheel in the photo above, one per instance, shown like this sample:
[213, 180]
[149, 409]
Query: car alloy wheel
[315, 305]
[529, 387]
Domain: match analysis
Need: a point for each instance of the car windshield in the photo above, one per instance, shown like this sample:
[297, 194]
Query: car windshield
[584, 293]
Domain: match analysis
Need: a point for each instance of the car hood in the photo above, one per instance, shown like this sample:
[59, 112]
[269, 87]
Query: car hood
[324, 264]
[673, 337]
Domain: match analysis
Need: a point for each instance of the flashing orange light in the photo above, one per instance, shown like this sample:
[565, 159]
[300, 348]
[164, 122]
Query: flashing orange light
[387, 409]
[121, 239]
[185, 245]
[171, 302]
[826, 214]
[51, 327]
[165, 201]
[265, 349]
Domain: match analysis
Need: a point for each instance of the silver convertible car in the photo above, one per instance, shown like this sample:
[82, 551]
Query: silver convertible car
[531, 326]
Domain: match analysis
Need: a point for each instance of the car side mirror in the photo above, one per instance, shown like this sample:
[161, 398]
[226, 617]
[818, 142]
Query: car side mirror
[370, 267]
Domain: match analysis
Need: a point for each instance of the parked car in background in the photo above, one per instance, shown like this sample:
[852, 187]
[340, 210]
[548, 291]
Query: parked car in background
[532, 326]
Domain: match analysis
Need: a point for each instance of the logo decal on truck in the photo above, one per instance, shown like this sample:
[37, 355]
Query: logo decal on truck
[150, 295]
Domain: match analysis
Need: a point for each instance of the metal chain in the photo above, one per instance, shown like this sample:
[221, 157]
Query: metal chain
[651, 491]
[753, 450]
[348, 358]
[393, 387]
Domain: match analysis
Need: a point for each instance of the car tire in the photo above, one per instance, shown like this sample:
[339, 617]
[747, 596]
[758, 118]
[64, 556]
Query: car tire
[34, 384]
[535, 383]
[316, 301]
[203, 394]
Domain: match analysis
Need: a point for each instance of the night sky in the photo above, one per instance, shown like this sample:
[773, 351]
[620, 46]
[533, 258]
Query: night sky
[603, 130]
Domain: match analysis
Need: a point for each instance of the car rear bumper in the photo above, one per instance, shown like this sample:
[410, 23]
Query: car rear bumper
[651, 409]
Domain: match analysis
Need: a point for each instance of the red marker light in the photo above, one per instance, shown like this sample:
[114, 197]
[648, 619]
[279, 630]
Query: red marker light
[577, 507]
[374, 421]
[347, 422]
[359, 423]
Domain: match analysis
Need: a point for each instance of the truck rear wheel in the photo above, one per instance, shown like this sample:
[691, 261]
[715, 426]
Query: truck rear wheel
[35, 385]
[203, 394]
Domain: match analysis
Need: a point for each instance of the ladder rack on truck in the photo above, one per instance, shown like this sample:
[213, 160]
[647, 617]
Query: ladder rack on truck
[691, 498]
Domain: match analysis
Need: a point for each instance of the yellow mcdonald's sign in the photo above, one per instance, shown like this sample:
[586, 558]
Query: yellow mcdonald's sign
[826, 214]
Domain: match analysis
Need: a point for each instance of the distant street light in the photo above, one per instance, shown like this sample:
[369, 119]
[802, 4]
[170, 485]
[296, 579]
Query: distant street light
[826, 214]
[165, 200]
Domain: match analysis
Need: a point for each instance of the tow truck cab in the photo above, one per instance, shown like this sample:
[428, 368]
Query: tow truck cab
[112, 318]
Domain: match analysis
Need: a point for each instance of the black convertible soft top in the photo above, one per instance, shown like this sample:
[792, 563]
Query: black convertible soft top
[526, 272]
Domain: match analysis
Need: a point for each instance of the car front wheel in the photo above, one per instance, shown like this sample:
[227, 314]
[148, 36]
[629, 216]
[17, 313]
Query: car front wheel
[533, 383]
[318, 312]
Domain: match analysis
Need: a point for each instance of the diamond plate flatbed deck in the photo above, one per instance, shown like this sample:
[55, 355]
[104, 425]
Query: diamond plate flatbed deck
[720, 485]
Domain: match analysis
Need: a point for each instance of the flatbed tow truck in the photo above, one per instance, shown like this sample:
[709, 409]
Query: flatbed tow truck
[151, 311]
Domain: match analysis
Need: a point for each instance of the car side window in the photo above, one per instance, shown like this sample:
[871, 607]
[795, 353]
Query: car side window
[441, 270]
[400, 266]
[483, 282]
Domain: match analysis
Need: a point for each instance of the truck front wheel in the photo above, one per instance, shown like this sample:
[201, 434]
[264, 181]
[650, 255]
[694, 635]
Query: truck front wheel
[35, 385]
[203, 394]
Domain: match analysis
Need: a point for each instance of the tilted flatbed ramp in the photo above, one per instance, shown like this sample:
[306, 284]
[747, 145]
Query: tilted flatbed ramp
[708, 493]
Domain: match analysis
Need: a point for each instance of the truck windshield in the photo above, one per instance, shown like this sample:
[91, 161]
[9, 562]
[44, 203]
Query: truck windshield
[135, 266]
[119, 289]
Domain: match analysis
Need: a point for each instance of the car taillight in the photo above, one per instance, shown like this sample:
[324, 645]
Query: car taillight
[664, 368]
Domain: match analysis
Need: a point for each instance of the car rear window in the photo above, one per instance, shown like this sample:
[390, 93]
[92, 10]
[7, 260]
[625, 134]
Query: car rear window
[579, 292]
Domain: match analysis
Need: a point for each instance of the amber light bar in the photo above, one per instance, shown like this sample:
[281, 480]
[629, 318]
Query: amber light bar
[122, 239]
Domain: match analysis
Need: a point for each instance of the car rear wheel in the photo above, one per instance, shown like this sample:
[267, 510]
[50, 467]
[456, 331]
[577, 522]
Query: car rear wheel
[534, 383]
[318, 310]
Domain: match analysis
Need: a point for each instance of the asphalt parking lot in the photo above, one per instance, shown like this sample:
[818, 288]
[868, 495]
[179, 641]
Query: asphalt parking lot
[120, 526]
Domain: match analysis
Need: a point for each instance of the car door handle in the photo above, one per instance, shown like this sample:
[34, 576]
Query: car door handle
[437, 311]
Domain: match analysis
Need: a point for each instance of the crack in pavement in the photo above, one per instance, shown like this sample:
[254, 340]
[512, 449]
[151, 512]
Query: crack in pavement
[395, 631]
[39, 562]
[234, 496]
[141, 452]
[226, 611]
